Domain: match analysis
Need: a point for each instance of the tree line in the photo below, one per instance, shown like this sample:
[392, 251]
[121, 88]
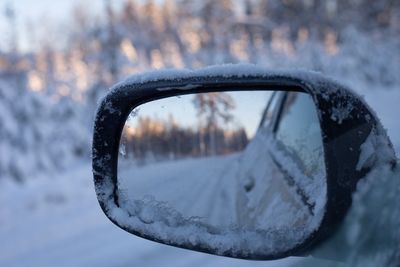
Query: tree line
[49, 93]
[154, 139]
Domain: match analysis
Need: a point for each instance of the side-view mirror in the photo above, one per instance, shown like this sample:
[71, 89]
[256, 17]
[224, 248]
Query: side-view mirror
[233, 160]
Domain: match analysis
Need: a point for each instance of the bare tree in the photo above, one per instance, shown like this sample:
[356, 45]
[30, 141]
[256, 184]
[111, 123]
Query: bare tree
[213, 108]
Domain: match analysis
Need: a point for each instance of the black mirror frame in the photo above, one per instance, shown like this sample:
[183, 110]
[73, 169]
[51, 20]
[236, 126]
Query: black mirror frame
[338, 136]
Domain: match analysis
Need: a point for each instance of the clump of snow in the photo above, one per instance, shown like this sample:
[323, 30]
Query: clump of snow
[163, 222]
[342, 112]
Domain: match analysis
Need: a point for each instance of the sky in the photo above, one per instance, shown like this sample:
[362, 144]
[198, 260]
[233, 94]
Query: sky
[39, 12]
[42, 14]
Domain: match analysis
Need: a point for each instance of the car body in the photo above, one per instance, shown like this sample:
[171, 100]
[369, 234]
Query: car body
[284, 165]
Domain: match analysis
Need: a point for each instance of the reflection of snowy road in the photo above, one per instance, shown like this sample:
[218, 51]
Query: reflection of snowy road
[195, 187]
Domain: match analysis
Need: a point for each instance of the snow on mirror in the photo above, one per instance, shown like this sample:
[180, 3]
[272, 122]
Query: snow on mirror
[206, 170]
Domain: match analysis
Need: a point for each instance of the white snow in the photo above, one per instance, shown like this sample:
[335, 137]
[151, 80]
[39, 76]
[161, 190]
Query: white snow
[56, 220]
[185, 87]
[241, 70]
[374, 151]
[341, 113]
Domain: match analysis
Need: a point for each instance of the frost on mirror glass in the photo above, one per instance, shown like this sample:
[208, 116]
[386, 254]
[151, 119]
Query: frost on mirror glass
[200, 162]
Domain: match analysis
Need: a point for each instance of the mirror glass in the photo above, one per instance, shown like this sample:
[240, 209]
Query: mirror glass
[240, 170]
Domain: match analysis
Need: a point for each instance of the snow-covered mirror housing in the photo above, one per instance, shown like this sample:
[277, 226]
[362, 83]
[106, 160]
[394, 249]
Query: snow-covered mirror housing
[353, 143]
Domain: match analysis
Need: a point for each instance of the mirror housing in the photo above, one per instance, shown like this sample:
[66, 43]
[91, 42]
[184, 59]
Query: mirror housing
[347, 124]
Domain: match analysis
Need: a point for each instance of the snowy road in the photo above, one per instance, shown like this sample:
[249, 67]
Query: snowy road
[61, 224]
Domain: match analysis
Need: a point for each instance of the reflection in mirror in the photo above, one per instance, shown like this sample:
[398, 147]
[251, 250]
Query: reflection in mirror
[206, 160]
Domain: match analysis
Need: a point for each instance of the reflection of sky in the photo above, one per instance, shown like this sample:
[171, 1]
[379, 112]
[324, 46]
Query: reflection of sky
[248, 111]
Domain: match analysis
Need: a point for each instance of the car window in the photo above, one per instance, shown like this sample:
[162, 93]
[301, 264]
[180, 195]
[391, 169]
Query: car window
[299, 132]
[270, 110]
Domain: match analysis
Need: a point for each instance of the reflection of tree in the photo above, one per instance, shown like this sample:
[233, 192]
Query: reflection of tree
[213, 107]
[157, 139]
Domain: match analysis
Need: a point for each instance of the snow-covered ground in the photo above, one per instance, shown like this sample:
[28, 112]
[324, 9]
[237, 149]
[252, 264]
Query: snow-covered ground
[56, 221]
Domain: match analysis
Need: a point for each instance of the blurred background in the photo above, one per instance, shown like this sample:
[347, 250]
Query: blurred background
[58, 58]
